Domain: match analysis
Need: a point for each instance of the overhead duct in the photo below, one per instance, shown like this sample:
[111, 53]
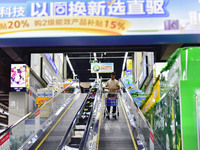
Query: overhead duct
[12, 54]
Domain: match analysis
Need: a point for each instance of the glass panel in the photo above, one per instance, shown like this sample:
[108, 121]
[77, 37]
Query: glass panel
[25, 132]
[142, 131]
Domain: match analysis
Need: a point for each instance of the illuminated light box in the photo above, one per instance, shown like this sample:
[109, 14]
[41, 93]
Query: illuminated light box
[102, 67]
[20, 78]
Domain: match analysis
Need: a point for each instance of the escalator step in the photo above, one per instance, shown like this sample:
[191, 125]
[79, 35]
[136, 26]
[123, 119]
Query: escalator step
[79, 129]
[75, 142]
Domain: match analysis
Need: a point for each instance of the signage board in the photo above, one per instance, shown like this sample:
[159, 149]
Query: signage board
[129, 72]
[129, 64]
[102, 67]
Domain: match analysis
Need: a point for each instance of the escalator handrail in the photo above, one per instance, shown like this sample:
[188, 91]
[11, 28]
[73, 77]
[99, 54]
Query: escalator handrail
[142, 116]
[86, 131]
[62, 143]
[87, 127]
[33, 112]
[139, 111]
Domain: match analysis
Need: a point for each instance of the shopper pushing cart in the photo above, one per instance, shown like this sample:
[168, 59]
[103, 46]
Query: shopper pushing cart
[113, 86]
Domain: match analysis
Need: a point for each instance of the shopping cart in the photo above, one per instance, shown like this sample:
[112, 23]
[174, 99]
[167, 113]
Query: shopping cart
[111, 100]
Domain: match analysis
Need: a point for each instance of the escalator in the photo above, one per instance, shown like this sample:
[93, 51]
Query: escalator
[45, 127]
[129, 131]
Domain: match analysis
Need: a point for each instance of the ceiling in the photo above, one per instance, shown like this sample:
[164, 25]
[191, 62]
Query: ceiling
[81, 64]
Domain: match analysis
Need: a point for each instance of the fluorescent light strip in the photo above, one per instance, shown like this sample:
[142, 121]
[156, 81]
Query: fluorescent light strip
[70, 65]
[58, 112]
[123, 67]
[95, 58]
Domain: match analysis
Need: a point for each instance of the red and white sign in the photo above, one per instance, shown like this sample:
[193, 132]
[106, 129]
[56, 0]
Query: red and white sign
[37, 113]
[151, 140]
[4, 142]
[4, 138]
[37, 120]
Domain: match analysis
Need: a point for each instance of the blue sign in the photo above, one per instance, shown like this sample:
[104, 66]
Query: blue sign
[51, 62]
[129, 72]
[114, 8]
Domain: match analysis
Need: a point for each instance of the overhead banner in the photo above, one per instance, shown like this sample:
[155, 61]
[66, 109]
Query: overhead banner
[102, 67]
[58, 18]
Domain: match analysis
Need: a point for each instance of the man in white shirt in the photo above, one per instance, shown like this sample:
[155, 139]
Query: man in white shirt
[113, 86]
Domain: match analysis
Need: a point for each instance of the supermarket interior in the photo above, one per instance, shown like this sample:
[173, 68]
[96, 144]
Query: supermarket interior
[99, 75]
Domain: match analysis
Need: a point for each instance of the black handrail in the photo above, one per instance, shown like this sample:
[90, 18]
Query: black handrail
[87, 128]
[32, 112]
[86, 131]
[61, 145]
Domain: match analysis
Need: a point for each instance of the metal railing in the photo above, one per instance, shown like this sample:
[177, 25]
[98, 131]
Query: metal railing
[63, 144]
[142, 131]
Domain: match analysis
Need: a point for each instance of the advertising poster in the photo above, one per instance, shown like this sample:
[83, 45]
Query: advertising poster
[18, 77]
[58, 18]
[129, 64]
[102, 67]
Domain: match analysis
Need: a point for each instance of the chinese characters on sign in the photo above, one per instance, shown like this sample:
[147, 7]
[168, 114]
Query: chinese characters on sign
[99, 8]
[120, 8]
[99, 25]
[12, 12]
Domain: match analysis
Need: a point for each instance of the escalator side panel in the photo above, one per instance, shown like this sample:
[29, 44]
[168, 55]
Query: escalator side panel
[54, 138]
